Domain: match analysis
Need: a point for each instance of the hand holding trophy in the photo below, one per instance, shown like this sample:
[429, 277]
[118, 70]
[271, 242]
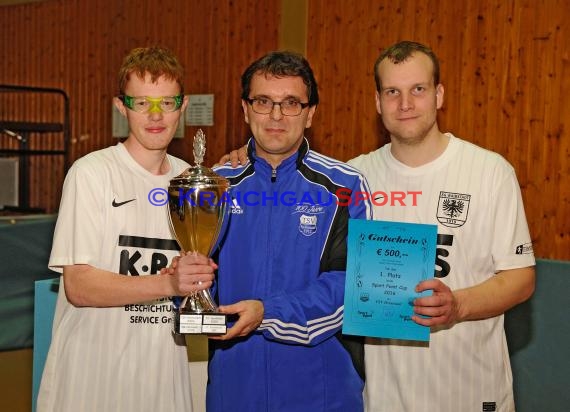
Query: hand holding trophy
[197, 210]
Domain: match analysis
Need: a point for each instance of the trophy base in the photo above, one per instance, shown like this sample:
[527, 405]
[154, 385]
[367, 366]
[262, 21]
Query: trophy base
[189, 323]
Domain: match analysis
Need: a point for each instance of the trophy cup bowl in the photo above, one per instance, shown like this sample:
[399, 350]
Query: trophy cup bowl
[197, 211]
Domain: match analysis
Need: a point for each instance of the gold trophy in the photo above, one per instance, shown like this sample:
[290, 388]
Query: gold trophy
[197, 204]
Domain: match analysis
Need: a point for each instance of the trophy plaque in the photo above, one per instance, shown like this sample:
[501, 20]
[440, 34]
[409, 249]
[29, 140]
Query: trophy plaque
[197, 200]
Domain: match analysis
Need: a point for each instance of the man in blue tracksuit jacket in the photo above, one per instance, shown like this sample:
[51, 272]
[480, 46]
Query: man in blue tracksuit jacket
[282, 259]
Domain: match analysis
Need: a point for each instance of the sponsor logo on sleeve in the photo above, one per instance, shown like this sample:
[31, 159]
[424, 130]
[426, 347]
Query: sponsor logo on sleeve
[524, 249]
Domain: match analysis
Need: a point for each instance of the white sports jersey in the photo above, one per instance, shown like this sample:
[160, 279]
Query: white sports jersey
[121, 358]
[473, 196]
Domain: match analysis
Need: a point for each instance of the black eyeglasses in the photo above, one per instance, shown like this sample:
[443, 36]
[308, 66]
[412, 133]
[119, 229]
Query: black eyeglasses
[288, 107]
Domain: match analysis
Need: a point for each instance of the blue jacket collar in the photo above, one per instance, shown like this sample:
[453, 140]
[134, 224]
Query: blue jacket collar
[296, 158]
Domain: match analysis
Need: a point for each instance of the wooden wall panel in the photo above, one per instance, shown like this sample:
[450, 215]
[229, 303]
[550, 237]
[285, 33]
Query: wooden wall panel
[78, 46]
[505, 68]
[506, 72]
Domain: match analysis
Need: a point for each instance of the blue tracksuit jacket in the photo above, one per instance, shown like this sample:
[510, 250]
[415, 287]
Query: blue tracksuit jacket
[285, 244]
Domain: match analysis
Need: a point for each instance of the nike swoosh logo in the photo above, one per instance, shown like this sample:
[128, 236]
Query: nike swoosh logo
[117, 204]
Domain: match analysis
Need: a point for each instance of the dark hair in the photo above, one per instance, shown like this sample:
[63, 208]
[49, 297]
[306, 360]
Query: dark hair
[157, 61]
[400, 52]
[282, 64]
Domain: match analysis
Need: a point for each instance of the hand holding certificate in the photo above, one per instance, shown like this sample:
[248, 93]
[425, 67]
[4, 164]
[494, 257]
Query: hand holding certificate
[386, 260]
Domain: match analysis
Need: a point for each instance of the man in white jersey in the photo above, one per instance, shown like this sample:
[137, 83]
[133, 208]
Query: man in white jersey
[112, 345]
[484, 262]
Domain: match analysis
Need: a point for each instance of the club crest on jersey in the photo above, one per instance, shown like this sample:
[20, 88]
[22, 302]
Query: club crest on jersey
[308, 224]
[452, 209]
